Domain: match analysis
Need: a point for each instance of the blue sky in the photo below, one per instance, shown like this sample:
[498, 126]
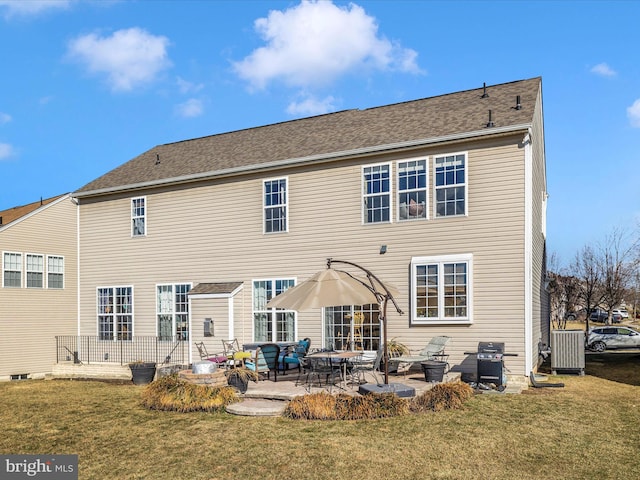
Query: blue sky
[88, 85]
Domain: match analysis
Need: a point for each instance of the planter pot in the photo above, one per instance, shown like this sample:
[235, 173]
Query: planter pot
[433, 370]
[238, 383]
[142, 373]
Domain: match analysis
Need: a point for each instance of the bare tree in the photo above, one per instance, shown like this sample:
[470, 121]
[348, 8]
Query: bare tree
[617, 270]
[587, 268]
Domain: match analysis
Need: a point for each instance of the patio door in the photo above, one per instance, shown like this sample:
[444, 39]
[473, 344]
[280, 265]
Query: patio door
[352, 327]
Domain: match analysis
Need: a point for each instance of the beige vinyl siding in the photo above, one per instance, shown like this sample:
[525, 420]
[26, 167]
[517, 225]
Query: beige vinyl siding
[30, 318]
[214, 233]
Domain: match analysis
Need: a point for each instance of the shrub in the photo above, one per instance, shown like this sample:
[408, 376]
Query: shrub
[324, 406]
[443, 396]
[173, 394]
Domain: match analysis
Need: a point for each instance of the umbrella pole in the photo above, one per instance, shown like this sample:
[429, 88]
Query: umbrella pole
[385, 352]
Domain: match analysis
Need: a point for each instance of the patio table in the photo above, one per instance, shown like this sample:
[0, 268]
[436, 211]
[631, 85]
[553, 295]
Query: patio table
[343, 356]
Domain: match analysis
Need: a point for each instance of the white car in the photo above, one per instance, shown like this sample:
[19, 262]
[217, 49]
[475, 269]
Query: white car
[622, 312]
[603, 338]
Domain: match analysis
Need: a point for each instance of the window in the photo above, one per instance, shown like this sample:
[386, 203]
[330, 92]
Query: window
[35, 271]
[138, 217]
[172, 307]
[412, 190]
[352, 327]
[441, 288]
[377, 193]
[450, 185]
[115, 313]
[55, 272]
[272, 324]
[275, 205]
[12, 269]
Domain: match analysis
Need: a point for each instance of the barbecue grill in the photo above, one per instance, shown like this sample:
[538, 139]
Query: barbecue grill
[490, 364]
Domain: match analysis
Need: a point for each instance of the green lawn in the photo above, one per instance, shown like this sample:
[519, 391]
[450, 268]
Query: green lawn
[589, 429]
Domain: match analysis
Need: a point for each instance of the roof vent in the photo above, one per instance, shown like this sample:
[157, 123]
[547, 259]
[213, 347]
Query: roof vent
[484, 90]
[157, 159]
[518, 105]
[490, 123]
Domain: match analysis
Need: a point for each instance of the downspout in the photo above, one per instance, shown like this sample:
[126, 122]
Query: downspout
[528, 252]
[77, 203]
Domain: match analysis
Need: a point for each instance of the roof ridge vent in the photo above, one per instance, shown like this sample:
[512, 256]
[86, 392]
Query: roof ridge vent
[484, 90]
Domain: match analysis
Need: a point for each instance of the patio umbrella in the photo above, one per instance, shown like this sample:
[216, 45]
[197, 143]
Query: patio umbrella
[333, 287]
[324, 289]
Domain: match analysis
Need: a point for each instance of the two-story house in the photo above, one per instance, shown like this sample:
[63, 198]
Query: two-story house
[38, 289]
[443, 197]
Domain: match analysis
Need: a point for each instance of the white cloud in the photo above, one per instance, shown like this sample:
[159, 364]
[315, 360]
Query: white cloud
[4, 118]
[191, 108]
[311, 106]
[315, 42]
[604, 70]
[188, 87]
[6, 151]
[32, 7]
[633, 112]
[129, 58]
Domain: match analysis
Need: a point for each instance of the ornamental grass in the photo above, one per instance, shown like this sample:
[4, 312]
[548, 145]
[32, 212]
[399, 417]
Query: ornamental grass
[173, 394]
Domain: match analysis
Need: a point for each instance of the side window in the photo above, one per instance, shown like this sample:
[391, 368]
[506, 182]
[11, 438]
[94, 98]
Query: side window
[115, 313]
[11, 269]
[412, 190]
[35, 271]
[450, 185]
[138, 217]
[55, 272]
[275, 205]
[377, 193]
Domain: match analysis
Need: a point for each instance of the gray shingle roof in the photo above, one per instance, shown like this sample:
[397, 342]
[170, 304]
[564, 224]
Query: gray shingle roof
[321, 137]
[214, 288]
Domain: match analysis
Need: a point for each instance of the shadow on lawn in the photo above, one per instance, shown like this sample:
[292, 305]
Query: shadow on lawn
[621, 367]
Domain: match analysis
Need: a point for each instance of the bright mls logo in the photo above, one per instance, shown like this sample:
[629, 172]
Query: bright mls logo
[51, 467]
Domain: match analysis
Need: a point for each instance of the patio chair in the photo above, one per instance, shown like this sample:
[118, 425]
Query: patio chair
[319, 368]
[366, 363]
[218, 358]
[235, 356]
[433, 351]
[265, 360]
[291, 356]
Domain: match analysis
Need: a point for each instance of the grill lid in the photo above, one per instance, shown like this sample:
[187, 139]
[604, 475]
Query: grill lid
[490, 347]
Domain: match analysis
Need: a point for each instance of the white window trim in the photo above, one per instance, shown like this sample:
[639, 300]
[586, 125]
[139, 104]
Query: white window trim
[48, 272]
[441, 259]
[133, 317]
[173, 285]
[465, 185]
[285, 205]
[144, 217]
[27, 271]
[4, 269]
[364, 195]
[426, 189]
[272, 310]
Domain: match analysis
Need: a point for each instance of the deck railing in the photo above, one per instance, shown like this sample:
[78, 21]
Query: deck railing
[87, 349]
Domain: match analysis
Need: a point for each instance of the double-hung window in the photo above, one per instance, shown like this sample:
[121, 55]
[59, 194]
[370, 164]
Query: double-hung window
[275, 205]
[12, 269]
[138, 217]
[115, 313]
[272, 324]
[376, 189]
[441, 289]
[450, 185]
[35, 271]
[55, 271]
[412, 189]
[172, 311]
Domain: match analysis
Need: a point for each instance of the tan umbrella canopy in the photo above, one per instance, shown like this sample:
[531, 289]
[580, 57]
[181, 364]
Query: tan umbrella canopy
[325, 289]
[332, 287]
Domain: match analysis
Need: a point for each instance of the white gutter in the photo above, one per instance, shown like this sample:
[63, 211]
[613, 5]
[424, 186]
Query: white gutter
[309, 159]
